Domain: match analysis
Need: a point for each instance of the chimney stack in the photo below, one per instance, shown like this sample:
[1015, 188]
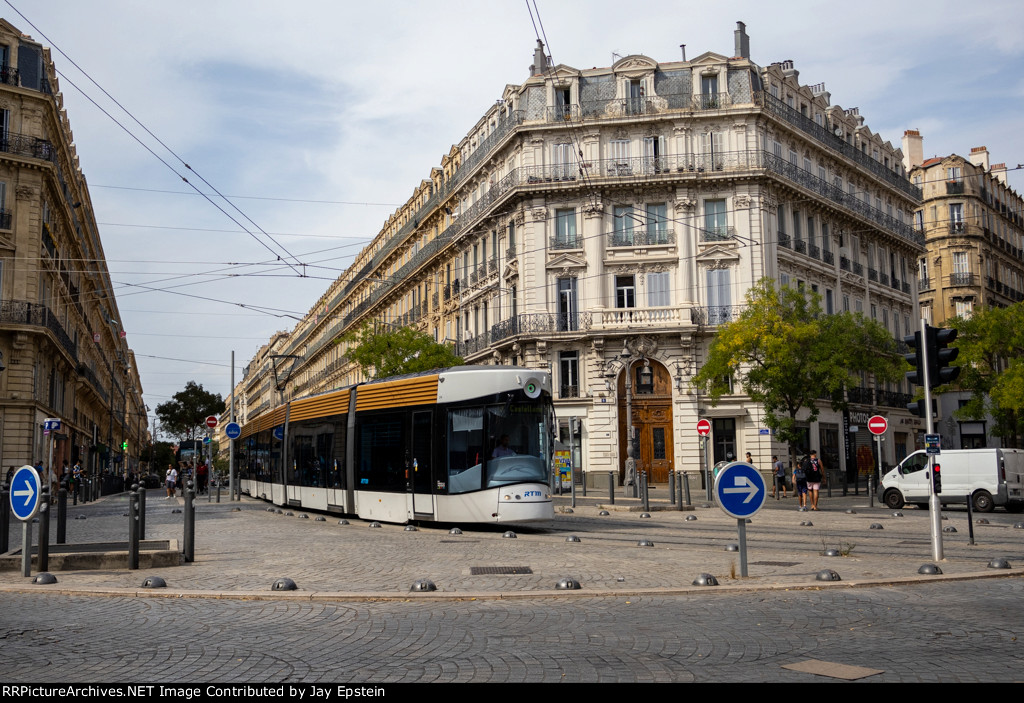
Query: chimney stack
[742, 41]
[979, 157]
[913, 149]
[999, 172]
[540, 60]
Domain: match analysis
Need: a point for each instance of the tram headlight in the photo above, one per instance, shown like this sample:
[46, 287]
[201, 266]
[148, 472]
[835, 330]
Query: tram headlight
[532, 388]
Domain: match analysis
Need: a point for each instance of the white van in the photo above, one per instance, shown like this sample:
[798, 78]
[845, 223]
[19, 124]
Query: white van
[990, 476]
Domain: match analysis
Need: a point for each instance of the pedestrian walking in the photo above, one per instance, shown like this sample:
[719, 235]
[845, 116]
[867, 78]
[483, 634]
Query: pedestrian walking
[815, 474]
[779, 478]
[800, 483]
[171, 481]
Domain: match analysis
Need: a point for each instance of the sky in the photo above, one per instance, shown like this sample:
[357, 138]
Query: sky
[317, 118]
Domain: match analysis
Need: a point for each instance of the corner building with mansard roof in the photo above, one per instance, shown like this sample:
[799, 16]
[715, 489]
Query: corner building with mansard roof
[603, 223]
[63, 350]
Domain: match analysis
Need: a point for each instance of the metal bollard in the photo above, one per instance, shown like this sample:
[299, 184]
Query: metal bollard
[142, 512]
[133, 527]
[218, 488]
[970, 519]
[43, 563]
[190, 522]
[871, 490]
[74, 491]
[686, 489]
[643, 484]
[611, 487]
[62, 514]
[672, 487]
[5, 517]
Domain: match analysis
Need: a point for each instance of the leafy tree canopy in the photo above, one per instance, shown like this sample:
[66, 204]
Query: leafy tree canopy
[787, 355]
[991, 361]
[184, 415]
[391, 352]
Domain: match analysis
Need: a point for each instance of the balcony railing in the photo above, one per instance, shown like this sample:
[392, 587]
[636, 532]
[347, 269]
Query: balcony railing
[961, 279]
[872, 274]
[716, 314]
[864, 396]
[87, 373]
[712, 101]
[539, 323]
[9, 75]
[954, 187]
[5, 219]
[858, 268]
[569, 391]
[642, 237]
[924, 284]
[785, 240]
[564, 242]
[25, 145]
[628, 317]
[828, 257]
[844, 263]
[717, 234]
[814, 251]
[800, 246]
[893, 399]
[563, 113]
[957, 228]
[36, 314]
[883, 278]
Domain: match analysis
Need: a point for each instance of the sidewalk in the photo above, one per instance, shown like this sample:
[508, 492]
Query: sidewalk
[242, 548]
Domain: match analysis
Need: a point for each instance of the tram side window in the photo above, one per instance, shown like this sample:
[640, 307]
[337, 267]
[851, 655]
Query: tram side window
[381, 459]
[465, 449]
[311, 454]
[335, 449]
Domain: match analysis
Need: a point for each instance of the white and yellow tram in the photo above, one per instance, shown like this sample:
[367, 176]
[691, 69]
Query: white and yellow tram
[467, 444]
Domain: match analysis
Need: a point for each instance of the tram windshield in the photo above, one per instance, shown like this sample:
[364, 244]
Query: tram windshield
[497, 445]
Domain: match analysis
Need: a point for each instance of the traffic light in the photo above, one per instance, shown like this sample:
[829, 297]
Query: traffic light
[124, 446]
[940, 355]
[937, 479]
[917, 408]
[914, 358]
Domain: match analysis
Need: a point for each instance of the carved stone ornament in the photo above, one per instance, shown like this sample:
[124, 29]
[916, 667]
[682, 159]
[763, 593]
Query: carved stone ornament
[686, 204]
[621, 133]
[25, 192]
[519, 218]
[539, 214]
[641, 346]
[516, 349]
[717, 264]
[741, 201]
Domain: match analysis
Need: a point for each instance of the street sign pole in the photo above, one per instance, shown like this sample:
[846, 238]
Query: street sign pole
[26, 496]
[741, 492]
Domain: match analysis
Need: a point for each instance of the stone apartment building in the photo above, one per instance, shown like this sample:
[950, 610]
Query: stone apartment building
[973, 223]
[602, 223]
[63, 351]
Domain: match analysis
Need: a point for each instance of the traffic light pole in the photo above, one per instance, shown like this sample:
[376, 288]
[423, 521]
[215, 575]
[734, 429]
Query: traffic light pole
[934, 505]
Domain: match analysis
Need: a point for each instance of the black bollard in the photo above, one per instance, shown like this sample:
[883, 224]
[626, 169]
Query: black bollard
[133, 527]
[43, 563]
[142, 512]
[62, 514]
[672, 487]
[970, 519]
[5, 517]
[190, 522]
[611, 487]
[686, 489]
[643, 486]
[218, 487]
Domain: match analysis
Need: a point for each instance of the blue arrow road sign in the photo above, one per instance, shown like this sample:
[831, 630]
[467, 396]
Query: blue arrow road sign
[279, 432]
[233, 430]
[25, 493]
[740, 490]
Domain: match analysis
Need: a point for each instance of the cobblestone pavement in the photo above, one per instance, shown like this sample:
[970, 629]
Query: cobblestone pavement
[636, 618]
[967, 631]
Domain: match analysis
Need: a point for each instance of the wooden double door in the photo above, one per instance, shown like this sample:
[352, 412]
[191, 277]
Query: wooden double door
[652, 421]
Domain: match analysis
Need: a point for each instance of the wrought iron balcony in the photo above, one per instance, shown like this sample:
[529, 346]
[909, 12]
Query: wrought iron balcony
[9, 75]
[844, 263]
[510, 253]
[22, 312]
[711, 101]
[569, 391]
[814, 251]
[716, 314]
[962, 279]
[800, 246]
[872, 274]
[563, 113]
[539, 323]
[642, 237]
[858, 268]
[957, 228]
[924, 283]
[906, 287]
[5, 219]
[883, 278]
[860, 395]
[893, 399]
[954, 187]
[637, 106]
[828, 257]
[566, 242]
[717, 234]
[895, 283]
[25, 145]
[785, 240]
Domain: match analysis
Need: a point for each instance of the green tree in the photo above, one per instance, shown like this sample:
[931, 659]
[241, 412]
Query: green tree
[184, 415]
[382, 353]
[991, 361]
[787, 356]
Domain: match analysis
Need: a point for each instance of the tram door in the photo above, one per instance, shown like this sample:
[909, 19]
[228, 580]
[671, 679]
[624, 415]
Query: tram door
[421, 497]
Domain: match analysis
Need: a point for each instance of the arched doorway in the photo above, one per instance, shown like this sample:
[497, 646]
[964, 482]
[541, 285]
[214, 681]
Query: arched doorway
[651, 400]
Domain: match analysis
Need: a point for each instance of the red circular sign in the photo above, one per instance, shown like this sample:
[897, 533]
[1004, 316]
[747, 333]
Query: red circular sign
[211, 421]
[703, 428]
[877, 424]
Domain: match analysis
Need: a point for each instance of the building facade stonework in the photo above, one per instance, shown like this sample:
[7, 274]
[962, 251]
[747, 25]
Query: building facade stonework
[603, 223]
[63, 352]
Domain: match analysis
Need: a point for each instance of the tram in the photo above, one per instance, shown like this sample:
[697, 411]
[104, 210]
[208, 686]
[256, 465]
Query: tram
[466, 444]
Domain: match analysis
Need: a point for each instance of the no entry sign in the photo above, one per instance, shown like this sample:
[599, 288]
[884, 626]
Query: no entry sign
[877, 424]
[703, 428]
